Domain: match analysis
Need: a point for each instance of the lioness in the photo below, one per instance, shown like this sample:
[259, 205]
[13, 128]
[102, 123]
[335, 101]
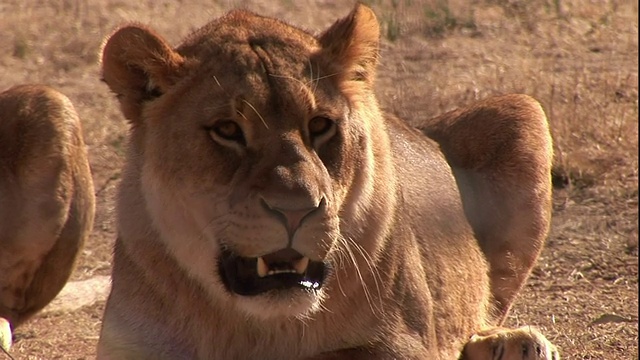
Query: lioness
[270, 210]
[47, 201]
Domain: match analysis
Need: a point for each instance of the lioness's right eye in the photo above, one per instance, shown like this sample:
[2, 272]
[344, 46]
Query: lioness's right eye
[319, 126]
[228, 130]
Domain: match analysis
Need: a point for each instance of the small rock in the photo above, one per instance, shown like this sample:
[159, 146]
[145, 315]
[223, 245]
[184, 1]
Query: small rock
[77, 294]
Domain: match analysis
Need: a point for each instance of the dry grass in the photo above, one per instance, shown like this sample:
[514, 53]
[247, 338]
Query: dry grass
[579, 58]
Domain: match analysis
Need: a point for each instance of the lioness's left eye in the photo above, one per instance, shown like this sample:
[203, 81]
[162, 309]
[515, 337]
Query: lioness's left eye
[319, 126]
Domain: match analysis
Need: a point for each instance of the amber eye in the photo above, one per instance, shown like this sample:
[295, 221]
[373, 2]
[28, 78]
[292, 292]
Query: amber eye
[228, 130]
[319, 126]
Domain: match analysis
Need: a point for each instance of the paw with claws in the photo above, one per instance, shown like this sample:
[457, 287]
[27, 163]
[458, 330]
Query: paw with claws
[525, 343]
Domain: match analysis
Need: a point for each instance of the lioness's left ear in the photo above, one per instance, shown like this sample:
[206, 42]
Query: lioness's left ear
[352, 43]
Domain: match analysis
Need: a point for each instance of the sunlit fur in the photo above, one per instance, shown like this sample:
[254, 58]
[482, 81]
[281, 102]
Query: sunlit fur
[408, 279]
[46, 199]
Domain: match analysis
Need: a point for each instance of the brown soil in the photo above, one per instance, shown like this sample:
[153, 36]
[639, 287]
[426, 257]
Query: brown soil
[577, 57]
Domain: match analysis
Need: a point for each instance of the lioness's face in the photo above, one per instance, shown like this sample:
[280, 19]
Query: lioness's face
[249, 154]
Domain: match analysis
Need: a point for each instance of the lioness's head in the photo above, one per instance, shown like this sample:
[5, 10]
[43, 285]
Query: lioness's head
[253, 151]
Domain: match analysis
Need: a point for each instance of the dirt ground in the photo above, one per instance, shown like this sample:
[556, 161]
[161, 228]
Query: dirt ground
[579, 58]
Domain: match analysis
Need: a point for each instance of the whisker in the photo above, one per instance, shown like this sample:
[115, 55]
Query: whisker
[302, 84]
[375, 273]
[257, 113]
[324, 308]
[327, 76]
[217, 82]
[365, 288]
[338, 260]
[316, 81]
[241, 114]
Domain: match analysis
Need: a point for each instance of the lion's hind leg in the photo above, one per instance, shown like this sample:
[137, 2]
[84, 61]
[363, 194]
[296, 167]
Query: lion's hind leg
[500, 152]
[47, 201]
[525, 343]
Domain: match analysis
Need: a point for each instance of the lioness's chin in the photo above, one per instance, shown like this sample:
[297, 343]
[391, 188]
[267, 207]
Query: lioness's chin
[293, 303]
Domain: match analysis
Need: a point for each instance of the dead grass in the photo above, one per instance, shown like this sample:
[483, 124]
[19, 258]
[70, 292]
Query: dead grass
[578, 58]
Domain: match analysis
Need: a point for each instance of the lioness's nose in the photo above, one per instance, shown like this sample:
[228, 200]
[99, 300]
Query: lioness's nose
[292, 218]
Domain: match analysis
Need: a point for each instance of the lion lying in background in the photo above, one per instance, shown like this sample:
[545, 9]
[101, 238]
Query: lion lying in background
[46, 200]
[270, 210]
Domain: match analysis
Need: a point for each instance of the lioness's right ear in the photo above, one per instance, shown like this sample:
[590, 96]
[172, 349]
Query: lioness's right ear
[138, 65]
[352, 43]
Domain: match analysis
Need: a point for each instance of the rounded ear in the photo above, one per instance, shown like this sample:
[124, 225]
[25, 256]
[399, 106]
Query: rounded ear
[139, 65]
[352, 44]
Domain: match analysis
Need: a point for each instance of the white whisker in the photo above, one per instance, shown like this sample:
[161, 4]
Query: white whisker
[354, 261]
[217, 82]
[257, 113]
[303, 85]
[374, 271]
[241, 114]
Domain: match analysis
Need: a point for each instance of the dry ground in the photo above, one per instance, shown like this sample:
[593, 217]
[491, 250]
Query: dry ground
[577, 57]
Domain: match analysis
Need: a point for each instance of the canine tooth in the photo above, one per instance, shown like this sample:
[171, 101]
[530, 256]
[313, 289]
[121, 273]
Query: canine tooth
[301, 265]
[261, 267]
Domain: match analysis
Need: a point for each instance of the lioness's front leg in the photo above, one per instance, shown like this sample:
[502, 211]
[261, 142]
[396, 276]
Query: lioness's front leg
[509, 344]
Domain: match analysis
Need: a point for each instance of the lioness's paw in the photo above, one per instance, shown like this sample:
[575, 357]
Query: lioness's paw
[525, 343]
[5, 334]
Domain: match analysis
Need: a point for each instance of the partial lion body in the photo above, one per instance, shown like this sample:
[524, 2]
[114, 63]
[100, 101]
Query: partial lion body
[46, 198]
[500, 151]
[256, 144]
[187, 307]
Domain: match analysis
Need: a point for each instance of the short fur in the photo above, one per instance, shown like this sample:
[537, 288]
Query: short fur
[409, 281]
[46, 198]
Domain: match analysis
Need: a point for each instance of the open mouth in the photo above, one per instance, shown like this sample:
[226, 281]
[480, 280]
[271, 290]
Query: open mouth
[281, 270]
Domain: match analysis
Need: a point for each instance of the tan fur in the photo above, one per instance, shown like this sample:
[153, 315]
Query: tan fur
[371, 196]
[46, 198]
